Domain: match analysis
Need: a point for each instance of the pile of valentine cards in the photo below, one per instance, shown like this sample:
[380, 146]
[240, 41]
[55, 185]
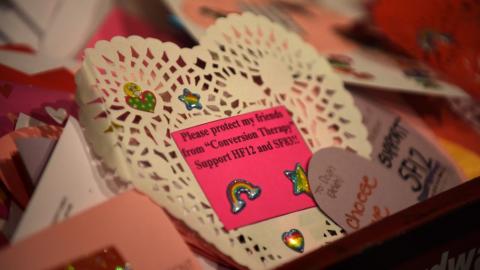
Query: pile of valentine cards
[221, 135]
[270, 138]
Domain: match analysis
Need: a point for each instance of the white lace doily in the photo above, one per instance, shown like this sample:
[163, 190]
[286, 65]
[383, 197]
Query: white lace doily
[128, 92]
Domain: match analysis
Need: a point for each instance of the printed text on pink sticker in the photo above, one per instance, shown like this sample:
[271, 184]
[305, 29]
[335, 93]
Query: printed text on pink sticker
[256, 147]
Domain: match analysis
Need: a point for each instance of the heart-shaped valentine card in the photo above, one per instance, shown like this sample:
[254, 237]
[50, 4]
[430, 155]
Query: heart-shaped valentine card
[225, 132]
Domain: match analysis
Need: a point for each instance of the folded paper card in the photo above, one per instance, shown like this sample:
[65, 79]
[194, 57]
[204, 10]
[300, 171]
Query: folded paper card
[12, 172]
[130, 225]
[141, 98]
[34, 153]
[58, 197]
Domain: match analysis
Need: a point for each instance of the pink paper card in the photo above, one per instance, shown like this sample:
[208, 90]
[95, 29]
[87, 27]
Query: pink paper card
[253, 152]
[130, 223]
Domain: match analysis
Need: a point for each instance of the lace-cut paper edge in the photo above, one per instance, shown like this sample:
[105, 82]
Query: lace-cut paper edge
[114, 159]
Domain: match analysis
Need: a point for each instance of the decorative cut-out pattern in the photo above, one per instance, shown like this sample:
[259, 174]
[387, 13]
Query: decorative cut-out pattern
[269, 67]
[244, 64]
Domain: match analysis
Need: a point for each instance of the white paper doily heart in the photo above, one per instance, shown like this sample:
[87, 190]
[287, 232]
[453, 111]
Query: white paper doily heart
[264, 63]
[245, 63]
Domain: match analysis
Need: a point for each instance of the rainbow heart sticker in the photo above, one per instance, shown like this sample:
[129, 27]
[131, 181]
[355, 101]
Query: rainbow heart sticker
[294, 240]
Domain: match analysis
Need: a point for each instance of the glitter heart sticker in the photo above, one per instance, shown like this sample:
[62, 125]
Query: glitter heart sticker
[294, 240]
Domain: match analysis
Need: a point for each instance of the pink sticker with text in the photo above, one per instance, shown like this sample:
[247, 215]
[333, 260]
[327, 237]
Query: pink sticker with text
[256, 149]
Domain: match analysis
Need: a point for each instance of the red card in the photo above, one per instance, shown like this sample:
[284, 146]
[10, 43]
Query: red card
[443, 33]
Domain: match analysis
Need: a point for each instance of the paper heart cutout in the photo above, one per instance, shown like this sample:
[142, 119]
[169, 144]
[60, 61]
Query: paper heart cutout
[294, 240]
[146, 101]
[355, 191]
[244, 64]
[6, 89]
[58, 115]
